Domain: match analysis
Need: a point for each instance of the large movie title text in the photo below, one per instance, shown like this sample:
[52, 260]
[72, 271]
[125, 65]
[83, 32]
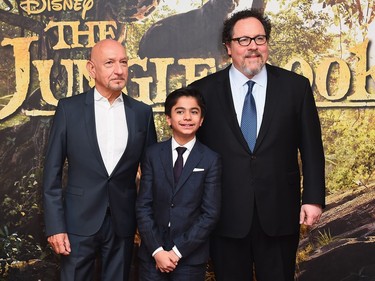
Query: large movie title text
[348, 92]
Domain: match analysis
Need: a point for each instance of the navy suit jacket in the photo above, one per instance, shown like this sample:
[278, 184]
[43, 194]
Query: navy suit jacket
[191, 206]
[269, 178]
[80, 206]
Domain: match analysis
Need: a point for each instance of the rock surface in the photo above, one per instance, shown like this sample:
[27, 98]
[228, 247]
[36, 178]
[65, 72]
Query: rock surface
[343, 242]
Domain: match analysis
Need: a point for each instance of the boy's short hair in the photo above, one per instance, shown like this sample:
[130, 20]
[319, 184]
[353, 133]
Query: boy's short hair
[173, 97]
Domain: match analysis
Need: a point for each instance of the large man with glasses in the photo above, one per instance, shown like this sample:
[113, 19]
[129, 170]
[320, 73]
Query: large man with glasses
[260, 128]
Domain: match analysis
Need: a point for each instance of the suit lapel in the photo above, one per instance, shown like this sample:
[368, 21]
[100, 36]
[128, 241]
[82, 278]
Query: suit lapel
[273, 97]
[89, 115]
[194, 158]
[130, 123]
[166, 160]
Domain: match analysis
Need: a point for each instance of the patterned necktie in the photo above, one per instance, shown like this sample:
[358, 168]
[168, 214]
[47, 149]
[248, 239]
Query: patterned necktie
[178, 165]
[249, 117]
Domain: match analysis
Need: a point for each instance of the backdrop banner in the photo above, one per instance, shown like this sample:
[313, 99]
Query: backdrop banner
[44, 46]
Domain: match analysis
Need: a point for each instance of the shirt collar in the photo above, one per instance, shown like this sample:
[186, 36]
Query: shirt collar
[189, 145]
[239, 79]
[99, 97]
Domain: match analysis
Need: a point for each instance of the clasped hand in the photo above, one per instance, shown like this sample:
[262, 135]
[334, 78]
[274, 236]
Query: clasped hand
[166, 261]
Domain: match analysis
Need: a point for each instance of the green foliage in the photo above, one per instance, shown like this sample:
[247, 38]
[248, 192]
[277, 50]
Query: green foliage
[324, 238]
[348, 137]
[135, 30]
[299, 30]
[9, 243]
[25, 204]
[19, 210]
[15, 247]
[162, 129]
[353, 14]
[347, 133]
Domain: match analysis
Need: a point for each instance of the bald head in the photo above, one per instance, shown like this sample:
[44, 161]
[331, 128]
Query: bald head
[103, 44]
[108, 66]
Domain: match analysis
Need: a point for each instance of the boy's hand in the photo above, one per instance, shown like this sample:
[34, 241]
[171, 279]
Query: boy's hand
[174, 257]
[165, 261]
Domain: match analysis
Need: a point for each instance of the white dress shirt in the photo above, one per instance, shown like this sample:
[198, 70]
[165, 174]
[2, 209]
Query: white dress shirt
[111, 129]
[239, 89]
[189, 146]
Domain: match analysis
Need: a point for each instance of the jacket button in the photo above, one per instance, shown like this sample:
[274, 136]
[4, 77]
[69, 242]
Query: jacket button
[172, 205]
[253, 157]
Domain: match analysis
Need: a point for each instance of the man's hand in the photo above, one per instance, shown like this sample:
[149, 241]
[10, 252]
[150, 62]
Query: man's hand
[60, 243]
[310, 214]
[165, 261]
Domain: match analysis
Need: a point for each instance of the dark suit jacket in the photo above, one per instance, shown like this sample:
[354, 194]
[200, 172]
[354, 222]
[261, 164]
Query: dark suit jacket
[80, 207]
[192, 206]
[269, 177]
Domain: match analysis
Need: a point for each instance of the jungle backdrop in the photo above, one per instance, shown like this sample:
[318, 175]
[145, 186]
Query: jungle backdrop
[44, 45]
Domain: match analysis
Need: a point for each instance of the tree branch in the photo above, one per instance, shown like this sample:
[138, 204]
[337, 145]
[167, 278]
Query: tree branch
[21, 21]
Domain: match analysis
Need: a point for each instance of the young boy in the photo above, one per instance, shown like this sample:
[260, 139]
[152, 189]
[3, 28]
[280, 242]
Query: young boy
[176, 213]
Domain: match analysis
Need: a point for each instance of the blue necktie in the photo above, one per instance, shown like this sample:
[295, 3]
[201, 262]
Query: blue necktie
[249, 117]
[178, 165]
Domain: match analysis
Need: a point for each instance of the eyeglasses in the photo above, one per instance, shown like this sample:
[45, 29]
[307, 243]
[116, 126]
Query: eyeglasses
[246, 40]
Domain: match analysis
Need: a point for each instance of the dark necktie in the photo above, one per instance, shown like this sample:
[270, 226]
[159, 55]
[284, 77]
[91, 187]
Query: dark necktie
[249, 117]
[178, 165]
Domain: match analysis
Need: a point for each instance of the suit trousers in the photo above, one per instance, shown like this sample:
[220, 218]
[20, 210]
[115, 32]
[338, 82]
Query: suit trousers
[113, 253]
[183, 272]
[271, 258]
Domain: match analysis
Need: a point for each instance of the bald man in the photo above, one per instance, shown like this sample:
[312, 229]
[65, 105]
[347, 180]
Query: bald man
[101, 134]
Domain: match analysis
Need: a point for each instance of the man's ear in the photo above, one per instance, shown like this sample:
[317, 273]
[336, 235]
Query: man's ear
[91, 68]
[228, 49]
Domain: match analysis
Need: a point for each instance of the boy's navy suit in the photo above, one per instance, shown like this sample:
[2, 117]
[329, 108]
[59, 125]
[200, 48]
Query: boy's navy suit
[179, 214]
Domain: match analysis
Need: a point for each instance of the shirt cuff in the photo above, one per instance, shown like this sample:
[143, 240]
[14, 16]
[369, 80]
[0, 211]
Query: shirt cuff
[157, 251]
[176, 251]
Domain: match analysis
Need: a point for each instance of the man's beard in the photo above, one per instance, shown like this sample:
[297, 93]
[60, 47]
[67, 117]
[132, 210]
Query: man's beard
[252, 71]
[252, 68]
[116, 86]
